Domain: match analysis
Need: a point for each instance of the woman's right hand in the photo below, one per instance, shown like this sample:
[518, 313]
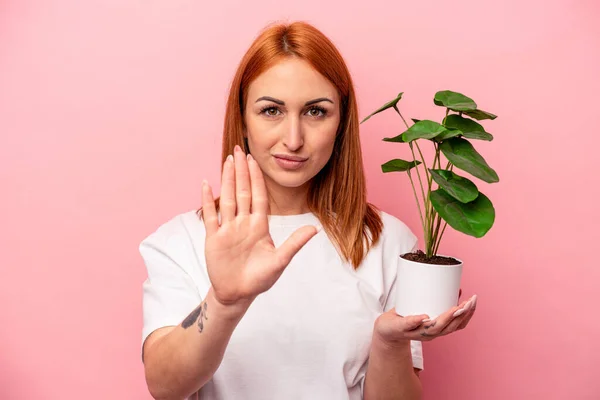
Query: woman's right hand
[241, 259]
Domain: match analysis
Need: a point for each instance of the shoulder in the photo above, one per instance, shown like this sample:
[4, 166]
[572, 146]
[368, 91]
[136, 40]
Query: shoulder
[177, 235]
[396, 233]
[395, 227]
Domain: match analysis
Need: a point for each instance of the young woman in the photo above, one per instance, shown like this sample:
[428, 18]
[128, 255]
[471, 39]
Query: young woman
[283, 287]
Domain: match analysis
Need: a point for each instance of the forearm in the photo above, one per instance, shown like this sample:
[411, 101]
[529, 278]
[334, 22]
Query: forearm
[390, 373]
[181, 362]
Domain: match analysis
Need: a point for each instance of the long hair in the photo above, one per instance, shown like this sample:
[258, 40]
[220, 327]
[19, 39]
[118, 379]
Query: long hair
[337, 194]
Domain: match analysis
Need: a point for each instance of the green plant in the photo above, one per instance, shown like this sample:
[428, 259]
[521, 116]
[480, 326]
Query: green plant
[456, 200]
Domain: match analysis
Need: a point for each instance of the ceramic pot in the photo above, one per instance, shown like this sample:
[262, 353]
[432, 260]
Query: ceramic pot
[426, 288]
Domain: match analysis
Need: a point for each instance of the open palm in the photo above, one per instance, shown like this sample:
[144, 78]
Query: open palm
[242, 260]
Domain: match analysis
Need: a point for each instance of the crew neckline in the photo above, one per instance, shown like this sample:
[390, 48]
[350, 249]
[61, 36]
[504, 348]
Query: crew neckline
[308, 218]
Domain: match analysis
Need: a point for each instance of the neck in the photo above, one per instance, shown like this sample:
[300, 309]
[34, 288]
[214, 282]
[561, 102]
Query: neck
[287, 201]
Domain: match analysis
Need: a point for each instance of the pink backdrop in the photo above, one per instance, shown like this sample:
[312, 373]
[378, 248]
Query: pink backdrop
[111, 113]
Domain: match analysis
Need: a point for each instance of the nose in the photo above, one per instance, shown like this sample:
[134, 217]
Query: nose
[293, 137]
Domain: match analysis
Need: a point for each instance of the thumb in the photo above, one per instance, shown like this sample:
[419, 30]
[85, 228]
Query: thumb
[294, 243]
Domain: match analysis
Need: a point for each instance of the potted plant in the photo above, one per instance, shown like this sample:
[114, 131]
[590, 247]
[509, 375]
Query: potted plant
[427, 282]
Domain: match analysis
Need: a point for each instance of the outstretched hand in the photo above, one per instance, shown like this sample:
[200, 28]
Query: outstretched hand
[393, 328]
[242, 260]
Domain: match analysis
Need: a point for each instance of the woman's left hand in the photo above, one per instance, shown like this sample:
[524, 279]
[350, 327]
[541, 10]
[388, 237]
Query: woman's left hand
[392, 328]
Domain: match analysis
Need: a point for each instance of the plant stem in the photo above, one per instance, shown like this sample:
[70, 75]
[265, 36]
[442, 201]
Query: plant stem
[440, 237]
[417, 199]
[431, 211]
[425, 221]
[437, 234]
[398, 111]
[436, 237]
[425, 198]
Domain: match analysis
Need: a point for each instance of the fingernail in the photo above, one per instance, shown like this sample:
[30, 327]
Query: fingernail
[250, 157]
[230, 158]
[237, 148]
[319, 228]
[425, 320]
[204, 182]
[459, 312]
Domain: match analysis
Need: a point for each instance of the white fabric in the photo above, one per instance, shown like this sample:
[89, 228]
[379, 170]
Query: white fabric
[308, 337]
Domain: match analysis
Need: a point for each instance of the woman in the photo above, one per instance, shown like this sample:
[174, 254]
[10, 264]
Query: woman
[283, 288]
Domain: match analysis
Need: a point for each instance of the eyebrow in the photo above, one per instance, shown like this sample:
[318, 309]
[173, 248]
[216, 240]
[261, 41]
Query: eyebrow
[282, 103]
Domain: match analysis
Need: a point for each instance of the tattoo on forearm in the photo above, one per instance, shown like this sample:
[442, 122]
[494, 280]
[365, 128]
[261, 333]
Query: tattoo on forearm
[203, 316]
[190, 319]
[197, 315]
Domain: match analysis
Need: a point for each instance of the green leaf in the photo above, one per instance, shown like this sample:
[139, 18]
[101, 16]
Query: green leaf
[398, 165]
[425, 129]
[480, 114]
[470, 129]
[396, 139]
[474, 218]
[456, 186]
[479, 136]
[463, 155]
[447, 134]
[454, 101]
[387, 105]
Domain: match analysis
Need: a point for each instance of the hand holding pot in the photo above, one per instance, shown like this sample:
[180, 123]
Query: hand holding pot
[395, 329]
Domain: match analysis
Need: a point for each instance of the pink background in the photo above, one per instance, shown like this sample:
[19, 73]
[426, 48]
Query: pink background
[111, 115]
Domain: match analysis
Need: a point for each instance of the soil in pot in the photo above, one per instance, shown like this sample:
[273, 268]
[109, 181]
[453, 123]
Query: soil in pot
[421, 257]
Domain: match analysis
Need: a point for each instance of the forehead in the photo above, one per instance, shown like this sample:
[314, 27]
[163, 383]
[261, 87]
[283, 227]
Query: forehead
[292, 78]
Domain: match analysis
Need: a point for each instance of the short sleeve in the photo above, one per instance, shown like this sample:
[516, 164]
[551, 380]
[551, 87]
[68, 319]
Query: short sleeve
[391, 296]
[170, 291]
[398, 239]
[402, 241]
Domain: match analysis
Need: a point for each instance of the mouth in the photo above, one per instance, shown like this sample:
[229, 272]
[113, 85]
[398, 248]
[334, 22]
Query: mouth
[289, 162]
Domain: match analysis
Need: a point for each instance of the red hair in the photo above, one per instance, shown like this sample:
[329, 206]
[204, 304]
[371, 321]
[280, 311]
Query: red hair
[337, 194]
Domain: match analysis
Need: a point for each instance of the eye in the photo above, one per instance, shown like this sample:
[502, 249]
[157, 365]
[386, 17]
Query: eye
[270, 111]
[317, 112]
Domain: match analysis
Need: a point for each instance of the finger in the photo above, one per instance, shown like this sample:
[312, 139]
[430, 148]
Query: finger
[458, 318]
[467, 319]
[242, 182]
[209, 211]
[227, 200]
[260, 201]
[462, 319]
[453, 325]
[436, 326]
[293, 244]
[463, 308]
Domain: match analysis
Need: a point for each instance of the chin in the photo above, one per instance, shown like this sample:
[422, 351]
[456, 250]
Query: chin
[289, 181]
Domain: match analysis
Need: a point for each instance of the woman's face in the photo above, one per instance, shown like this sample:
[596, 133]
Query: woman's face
[292, 116]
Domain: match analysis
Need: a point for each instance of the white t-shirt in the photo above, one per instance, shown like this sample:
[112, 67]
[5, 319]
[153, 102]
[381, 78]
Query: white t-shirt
[309, 336]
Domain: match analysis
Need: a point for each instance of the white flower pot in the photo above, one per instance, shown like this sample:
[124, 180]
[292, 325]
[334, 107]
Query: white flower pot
[426, 288]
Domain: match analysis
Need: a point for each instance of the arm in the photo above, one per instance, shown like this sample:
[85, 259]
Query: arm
[178, 361]
[241, 262]
[390, 372]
